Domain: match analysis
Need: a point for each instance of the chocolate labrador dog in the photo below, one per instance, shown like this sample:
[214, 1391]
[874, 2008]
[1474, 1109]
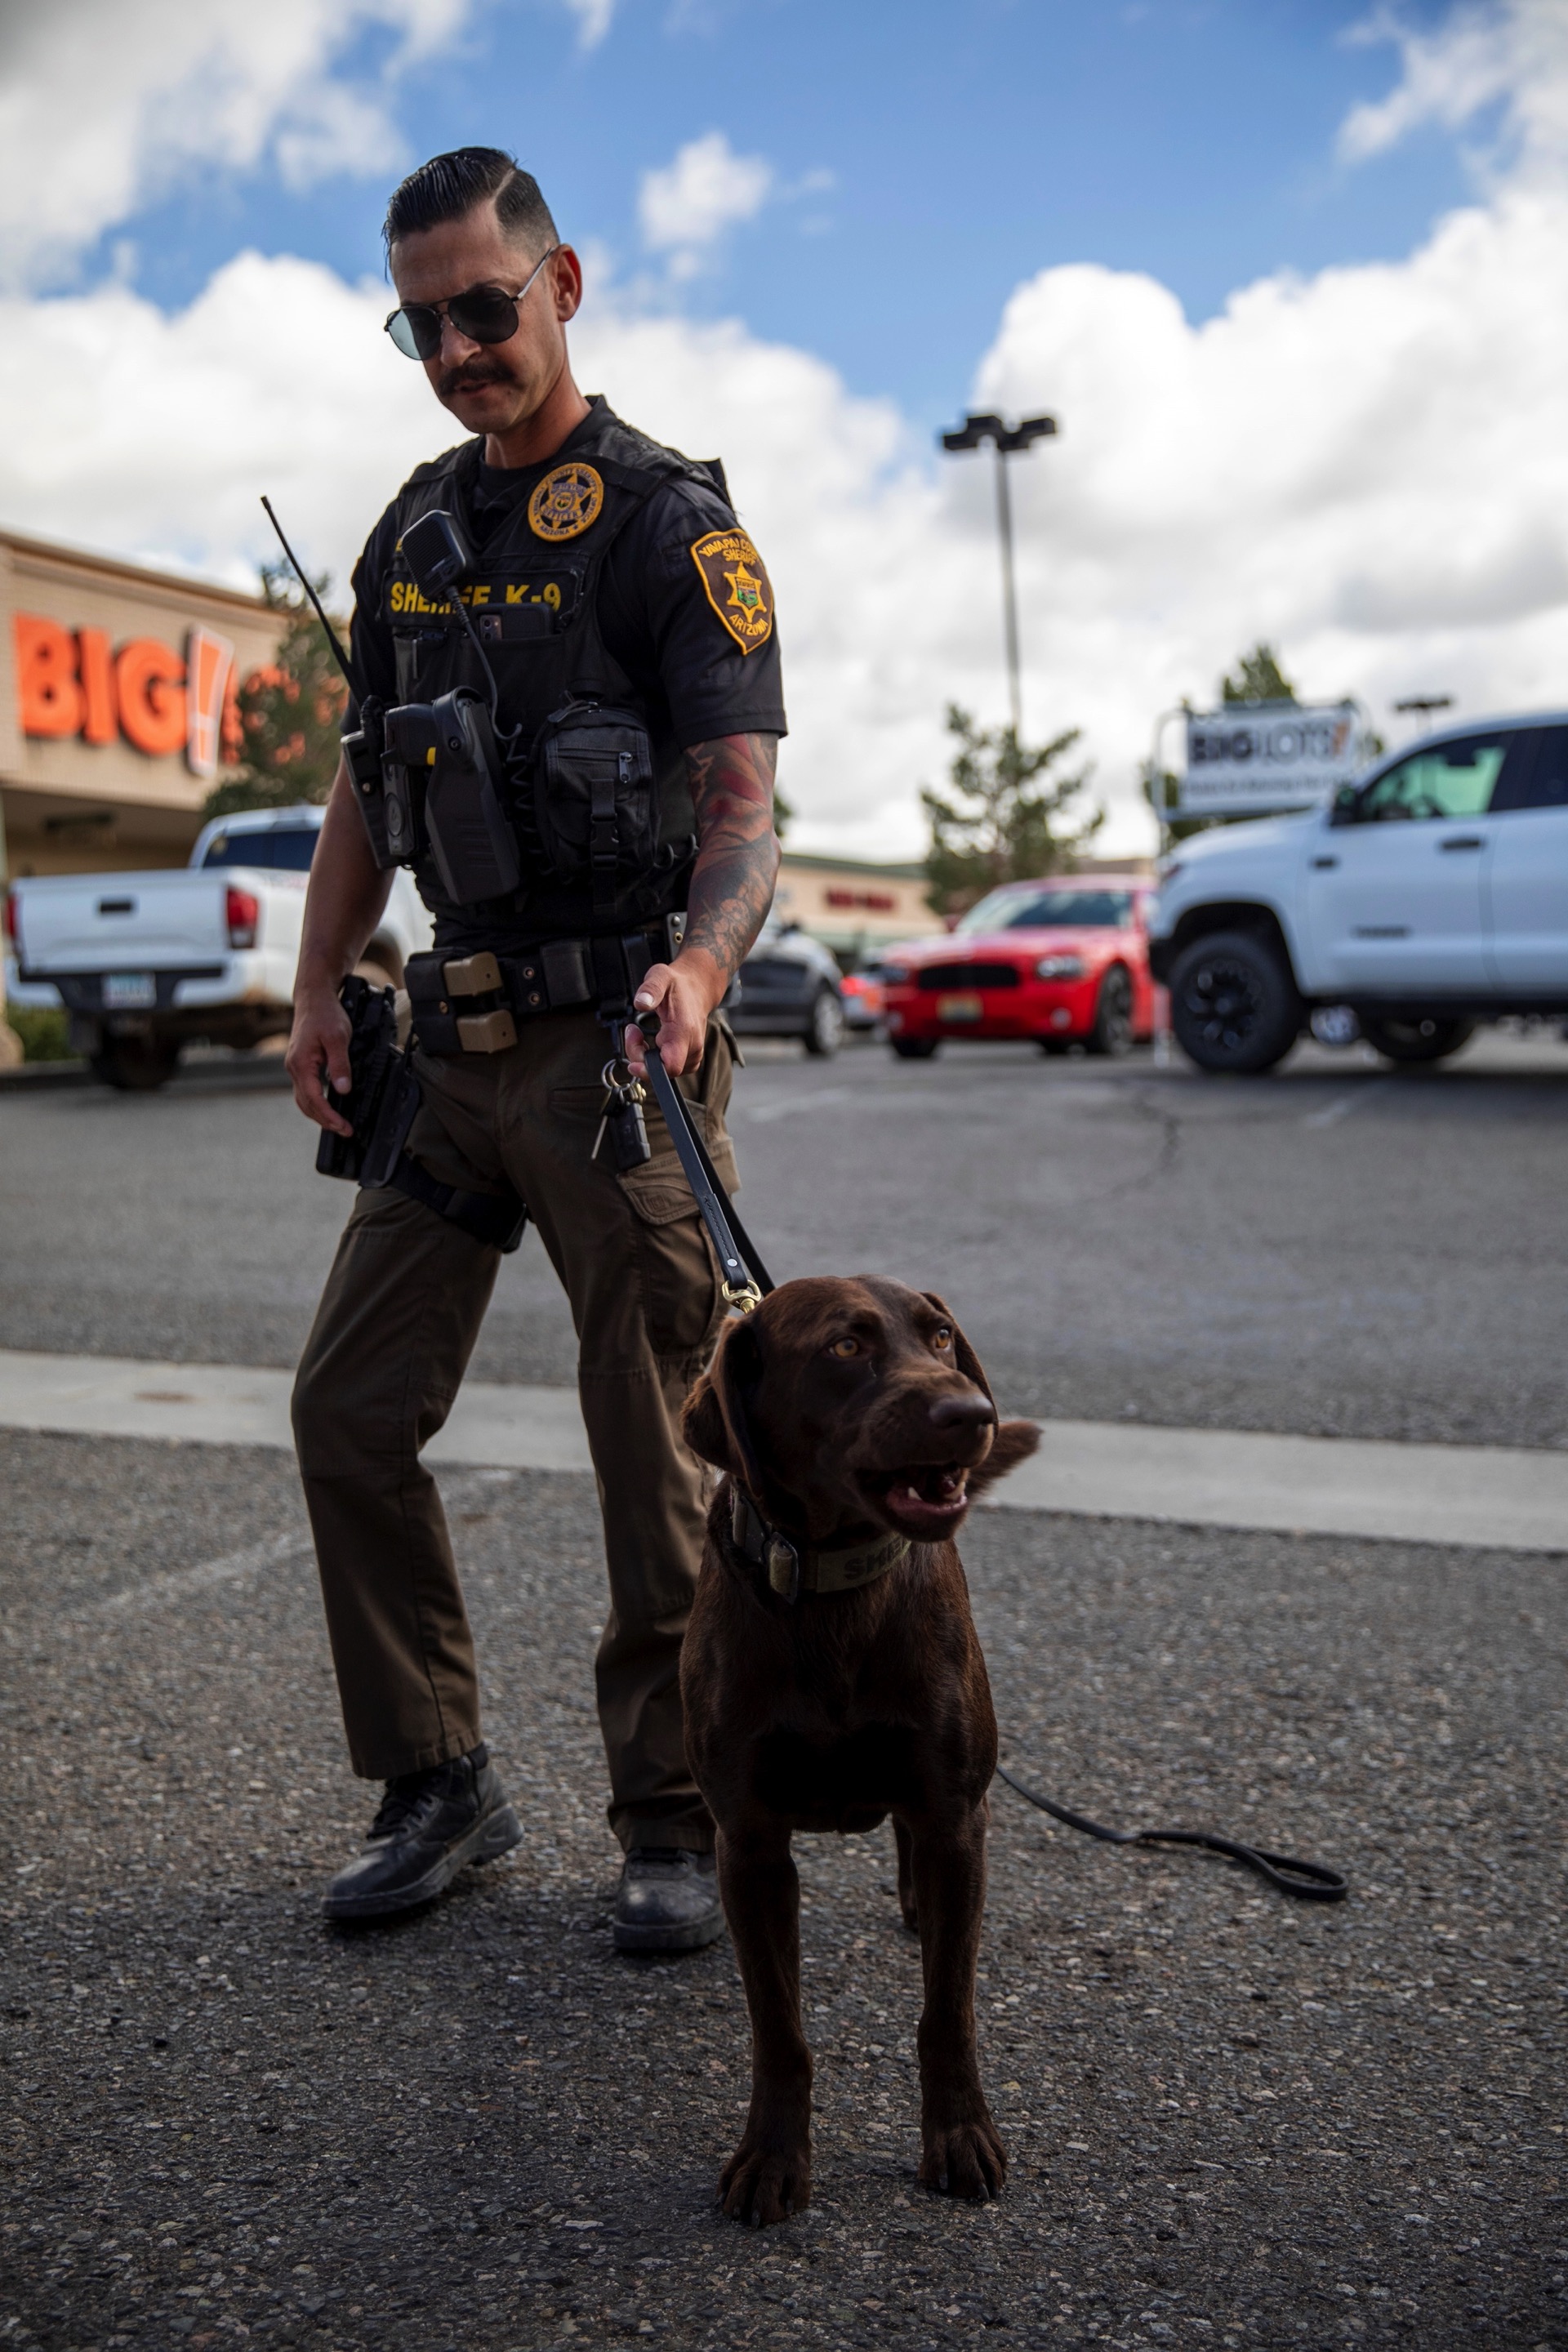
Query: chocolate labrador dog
[831, 1675]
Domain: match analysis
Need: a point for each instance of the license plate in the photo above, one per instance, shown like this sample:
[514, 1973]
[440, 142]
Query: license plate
[129, 992]
[959, 1008]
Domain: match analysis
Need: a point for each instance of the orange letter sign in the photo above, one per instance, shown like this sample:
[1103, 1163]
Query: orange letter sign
[47, 686]
[151, 678]
[97, 686]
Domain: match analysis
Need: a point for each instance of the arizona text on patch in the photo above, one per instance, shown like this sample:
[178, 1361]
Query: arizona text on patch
[737, 585]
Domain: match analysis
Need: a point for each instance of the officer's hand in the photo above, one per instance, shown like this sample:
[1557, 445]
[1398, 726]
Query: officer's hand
[318, 1058]
[683, 993]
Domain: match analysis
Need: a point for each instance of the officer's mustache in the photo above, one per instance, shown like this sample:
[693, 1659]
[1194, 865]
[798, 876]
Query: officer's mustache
[468, 377]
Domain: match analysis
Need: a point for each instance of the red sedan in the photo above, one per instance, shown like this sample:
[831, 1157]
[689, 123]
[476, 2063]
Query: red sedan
[1065, 962]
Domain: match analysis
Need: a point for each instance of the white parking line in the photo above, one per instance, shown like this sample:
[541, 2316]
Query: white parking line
[1513, 1498]
[762, 1113]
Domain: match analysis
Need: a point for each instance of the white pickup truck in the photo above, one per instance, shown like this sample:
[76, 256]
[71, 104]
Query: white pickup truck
[145, 964]
[1431, 895]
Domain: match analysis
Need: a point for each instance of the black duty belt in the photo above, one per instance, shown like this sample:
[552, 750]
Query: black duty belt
[474, 1004]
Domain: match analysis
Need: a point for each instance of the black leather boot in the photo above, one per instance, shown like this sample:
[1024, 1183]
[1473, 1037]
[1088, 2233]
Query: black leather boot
[427, 1825]
[668, 1901]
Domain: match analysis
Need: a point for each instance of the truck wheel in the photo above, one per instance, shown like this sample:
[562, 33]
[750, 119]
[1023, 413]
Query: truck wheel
[1234, 1005]
[1417, 1040]
[826, 1033]
[914, 1049]
[1112, 1031]
[135, 1066]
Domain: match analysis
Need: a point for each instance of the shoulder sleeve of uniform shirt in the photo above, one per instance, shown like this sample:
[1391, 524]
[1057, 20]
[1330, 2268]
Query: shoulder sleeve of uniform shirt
[687, 605]
[370, 636]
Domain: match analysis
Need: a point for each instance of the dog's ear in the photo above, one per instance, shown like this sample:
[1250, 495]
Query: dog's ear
[1014, 1442]
[968, 1362]
[714, 1420]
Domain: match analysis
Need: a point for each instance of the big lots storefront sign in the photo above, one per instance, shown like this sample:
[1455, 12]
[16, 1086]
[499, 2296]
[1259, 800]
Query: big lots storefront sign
[160, 698]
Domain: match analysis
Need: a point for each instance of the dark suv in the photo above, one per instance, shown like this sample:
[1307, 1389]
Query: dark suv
[789, 987]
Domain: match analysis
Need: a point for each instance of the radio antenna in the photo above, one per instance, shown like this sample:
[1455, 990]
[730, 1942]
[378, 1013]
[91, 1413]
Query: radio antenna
[338, 653]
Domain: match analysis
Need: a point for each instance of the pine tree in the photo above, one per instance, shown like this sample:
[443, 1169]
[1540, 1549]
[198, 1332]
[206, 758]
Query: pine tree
[993, 828]
[1258, 678]
[290, 711]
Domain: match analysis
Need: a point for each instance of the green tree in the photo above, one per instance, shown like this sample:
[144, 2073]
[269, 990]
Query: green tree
[1258, 678]
[1002, 819]
[291, 712]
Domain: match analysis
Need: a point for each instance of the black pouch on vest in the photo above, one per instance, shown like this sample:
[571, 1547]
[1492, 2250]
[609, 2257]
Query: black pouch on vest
[473, 846]
[593, 803]
[408, 733]
[364, 750]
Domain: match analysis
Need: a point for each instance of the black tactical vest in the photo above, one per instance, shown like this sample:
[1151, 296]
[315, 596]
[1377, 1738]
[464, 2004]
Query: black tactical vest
[533, 600]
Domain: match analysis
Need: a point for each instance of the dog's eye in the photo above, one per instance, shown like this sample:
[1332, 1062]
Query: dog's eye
[844, 1348]
[944, 1337]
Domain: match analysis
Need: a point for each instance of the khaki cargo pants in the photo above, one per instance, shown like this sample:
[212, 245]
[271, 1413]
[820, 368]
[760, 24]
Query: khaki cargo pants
[393, 1337]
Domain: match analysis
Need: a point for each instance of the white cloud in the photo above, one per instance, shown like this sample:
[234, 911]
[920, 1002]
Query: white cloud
[1512, 53]
[685, 208]
[593, 19]
[103, 106]
[1367, 468]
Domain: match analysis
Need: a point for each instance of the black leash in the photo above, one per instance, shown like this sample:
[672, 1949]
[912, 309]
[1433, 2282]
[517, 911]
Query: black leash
[746, 1280]
[1310, 1881]
[746, 1284]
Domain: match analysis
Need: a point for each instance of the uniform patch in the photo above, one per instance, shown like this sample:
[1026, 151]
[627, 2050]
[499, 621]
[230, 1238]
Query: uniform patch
[737, 587]
[566, 501]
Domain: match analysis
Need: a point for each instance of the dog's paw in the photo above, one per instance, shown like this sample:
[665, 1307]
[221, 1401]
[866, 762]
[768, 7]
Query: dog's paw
[766, 2182]
[964, 2159]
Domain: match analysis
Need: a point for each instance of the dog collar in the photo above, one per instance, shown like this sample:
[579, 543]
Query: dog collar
[792, 1569]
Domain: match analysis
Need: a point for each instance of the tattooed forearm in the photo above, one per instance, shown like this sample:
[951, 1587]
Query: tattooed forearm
[737, 854]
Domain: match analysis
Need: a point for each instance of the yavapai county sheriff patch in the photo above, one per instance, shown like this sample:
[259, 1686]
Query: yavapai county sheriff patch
[566, 501]
[737, 584]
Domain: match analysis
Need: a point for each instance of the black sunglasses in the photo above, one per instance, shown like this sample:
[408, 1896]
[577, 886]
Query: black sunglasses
[483, 314]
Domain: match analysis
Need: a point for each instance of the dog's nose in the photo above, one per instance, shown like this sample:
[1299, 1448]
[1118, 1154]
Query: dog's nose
[963, 1411]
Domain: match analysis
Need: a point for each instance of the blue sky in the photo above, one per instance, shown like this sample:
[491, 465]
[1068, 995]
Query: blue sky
[926, 159]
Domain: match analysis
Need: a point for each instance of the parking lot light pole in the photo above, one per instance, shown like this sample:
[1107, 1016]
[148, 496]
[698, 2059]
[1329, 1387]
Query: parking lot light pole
[1005, 439]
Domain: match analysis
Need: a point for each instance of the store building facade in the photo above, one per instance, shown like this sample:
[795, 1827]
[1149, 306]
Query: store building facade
[117, 705]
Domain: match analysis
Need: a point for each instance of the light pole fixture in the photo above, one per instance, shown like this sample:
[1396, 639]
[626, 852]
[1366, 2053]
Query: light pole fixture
[1006, 440]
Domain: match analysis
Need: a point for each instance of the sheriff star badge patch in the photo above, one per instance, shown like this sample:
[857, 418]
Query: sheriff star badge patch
[566, 502]
[737, 585]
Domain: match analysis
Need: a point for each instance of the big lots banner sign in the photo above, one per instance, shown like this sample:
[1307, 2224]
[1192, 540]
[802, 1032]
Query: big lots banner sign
[1255, 756]
[75, 682]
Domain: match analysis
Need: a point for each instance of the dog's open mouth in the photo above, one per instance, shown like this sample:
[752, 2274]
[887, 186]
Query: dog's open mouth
[925, 1499]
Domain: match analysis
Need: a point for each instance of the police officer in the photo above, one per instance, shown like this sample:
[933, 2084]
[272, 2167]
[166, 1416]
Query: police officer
[627, 623]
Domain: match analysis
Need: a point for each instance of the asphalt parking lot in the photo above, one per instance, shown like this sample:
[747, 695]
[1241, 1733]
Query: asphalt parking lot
[1340, 1249]
[1232, 2120]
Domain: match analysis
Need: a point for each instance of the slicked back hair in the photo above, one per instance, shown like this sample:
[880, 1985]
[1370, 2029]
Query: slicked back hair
[450, 185]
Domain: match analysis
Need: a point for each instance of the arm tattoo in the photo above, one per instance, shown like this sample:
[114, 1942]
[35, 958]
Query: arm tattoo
[737, 855]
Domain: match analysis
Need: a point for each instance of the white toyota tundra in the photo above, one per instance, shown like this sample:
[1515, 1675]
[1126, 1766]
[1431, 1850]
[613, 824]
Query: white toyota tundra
[145, 964]
[1431, 895]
